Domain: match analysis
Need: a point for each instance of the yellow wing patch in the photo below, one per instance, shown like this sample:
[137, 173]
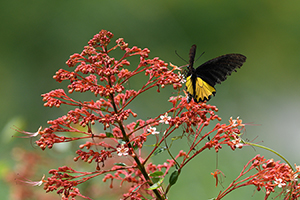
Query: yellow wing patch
[189, 85]
[203, 90]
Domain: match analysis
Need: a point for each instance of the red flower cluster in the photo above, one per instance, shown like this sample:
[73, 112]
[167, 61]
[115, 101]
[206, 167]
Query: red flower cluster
[268, 175]
[104, 76]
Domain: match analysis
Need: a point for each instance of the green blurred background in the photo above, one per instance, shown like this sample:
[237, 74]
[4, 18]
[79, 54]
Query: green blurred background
[37, 37]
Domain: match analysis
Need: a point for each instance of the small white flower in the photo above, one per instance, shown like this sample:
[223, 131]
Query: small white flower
[237, 142]
[174, 98]
[39, 183]
[182, 78]
[295, 177]
[122, 150]
[28, 134]
[164, 118]
[152, 130]
[35, 183]
[279, 182]
[236, 122]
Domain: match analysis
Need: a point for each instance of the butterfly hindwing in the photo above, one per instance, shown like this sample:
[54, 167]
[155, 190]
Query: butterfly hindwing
[203, 91]
[199, 89]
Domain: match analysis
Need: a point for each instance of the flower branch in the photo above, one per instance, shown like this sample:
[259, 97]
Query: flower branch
[104, 76]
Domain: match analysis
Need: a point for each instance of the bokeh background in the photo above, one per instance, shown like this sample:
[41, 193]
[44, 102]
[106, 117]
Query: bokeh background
[37, 37]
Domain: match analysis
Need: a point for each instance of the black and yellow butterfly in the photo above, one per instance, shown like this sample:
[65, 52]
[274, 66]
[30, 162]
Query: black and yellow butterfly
[200, 82]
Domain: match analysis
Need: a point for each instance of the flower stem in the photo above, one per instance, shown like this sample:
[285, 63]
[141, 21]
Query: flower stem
[140, 166]
[268, 149]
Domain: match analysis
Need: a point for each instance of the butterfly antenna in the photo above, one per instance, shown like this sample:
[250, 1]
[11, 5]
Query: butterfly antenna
[200, 55]
[180, 56]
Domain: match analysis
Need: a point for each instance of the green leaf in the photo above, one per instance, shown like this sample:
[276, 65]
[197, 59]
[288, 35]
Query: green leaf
[173, 178]
[155, 179]
[137, 124]
[121, 141]
[135, 147]
[157, 173]
[156, 185]
[150, 145]
[176, 138]
[120, 164]
[159, 150]
[135, 189]
[109, 135]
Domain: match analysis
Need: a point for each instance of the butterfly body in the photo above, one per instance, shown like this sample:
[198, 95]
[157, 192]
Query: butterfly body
[200, 82]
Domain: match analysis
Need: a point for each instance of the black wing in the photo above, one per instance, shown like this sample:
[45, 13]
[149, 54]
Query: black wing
[216, 70]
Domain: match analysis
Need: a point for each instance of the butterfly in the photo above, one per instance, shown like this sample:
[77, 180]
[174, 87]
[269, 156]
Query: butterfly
[200, 82]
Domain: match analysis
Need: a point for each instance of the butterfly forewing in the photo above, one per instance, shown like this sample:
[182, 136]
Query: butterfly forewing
[216, 70]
